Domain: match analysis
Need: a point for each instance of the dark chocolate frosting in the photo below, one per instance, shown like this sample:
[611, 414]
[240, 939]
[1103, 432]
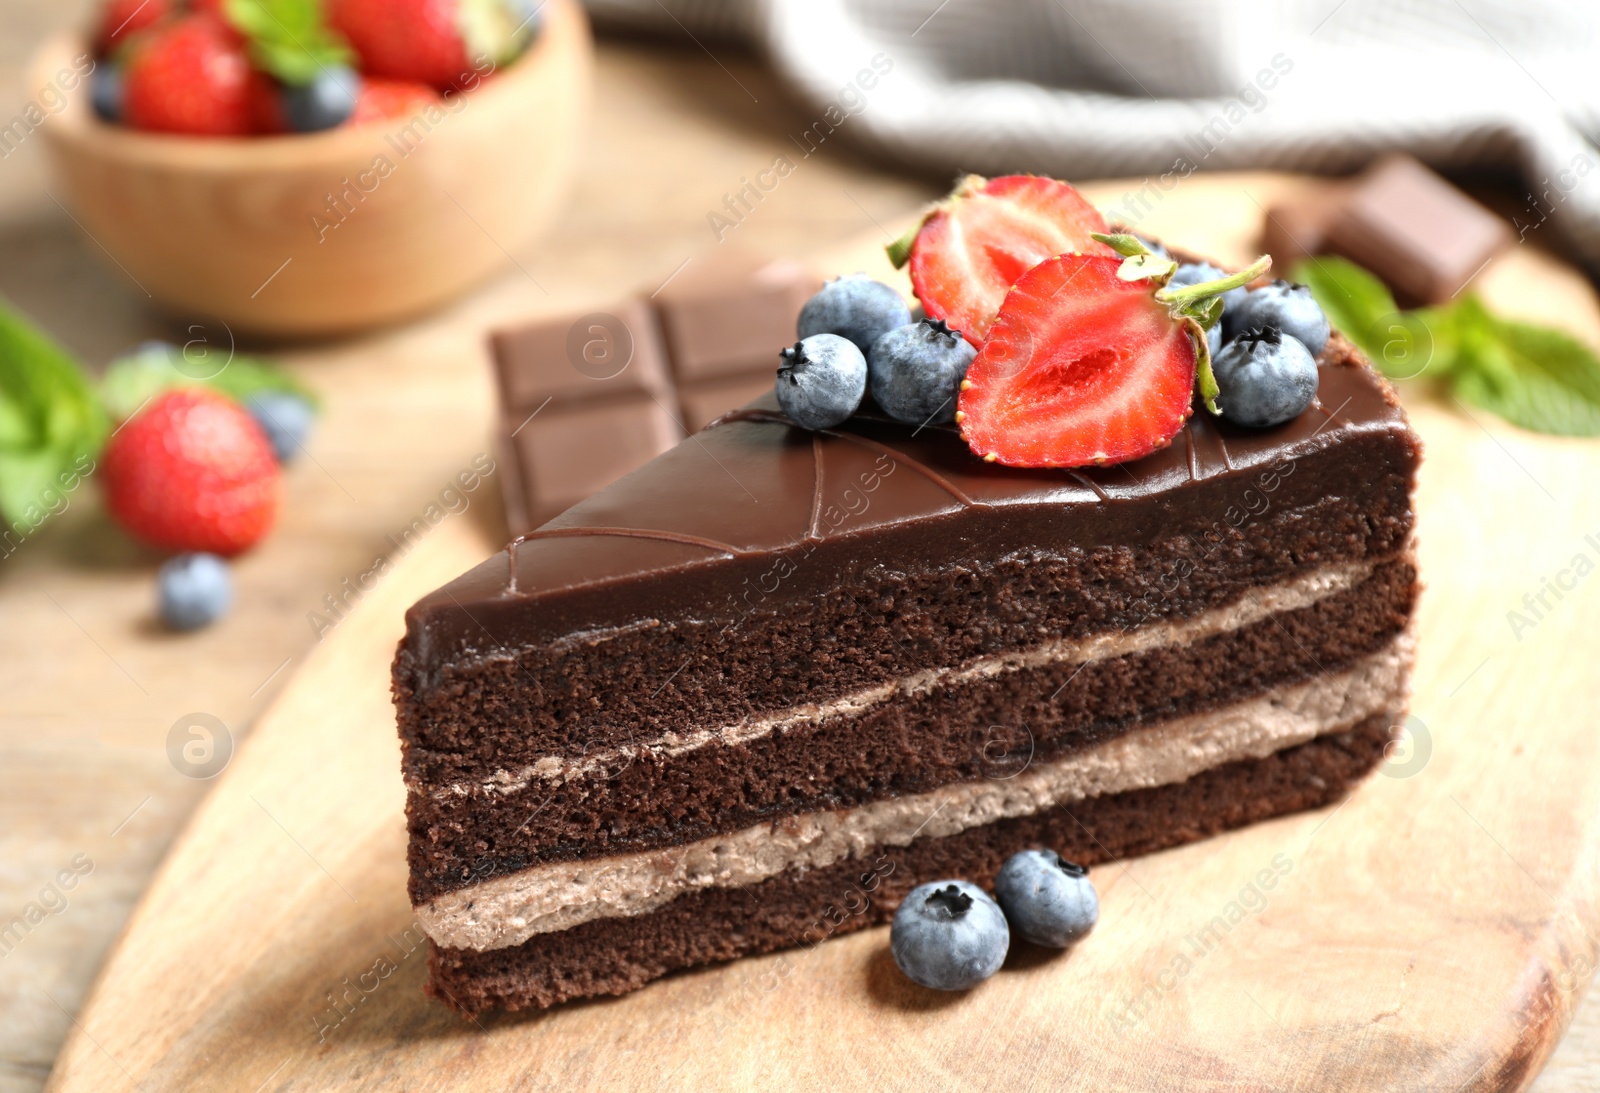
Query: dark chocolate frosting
[754, 510]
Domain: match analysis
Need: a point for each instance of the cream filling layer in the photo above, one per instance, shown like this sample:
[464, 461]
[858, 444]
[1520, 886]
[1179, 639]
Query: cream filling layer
[1251, 608]
[504, 911]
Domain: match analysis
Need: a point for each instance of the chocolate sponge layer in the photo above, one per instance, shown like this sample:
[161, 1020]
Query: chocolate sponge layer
[904, 746]
[619, 955]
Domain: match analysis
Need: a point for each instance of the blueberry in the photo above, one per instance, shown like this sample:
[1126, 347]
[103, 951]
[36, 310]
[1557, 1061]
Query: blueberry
[821, 381]
[915, 371]
[1265, 377]
[854, 307]
[285, 418]
[323, 103]
[1287, 306]
[1047, 899]
[949, 935]
[195, 590]
[105, 91]
[1193, 273]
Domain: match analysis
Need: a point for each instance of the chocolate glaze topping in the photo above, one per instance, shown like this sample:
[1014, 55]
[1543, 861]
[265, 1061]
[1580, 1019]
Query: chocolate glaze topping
[754, 511]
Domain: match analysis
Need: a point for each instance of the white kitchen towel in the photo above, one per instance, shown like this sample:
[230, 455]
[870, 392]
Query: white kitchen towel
[1162, 88]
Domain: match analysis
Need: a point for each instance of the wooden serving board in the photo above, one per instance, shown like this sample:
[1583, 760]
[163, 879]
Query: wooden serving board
[1435, 931]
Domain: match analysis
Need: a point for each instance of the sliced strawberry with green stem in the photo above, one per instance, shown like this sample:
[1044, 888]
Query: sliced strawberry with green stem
[972, 247]
[1093, 359]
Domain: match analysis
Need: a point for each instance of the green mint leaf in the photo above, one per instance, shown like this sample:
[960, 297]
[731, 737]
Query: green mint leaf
[289, 39]
[1540, 379]
[51, 426]
[134, 379]
[1402, 344]
[1535, 377]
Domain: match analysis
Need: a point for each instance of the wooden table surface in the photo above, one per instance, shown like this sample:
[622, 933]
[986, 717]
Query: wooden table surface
[92, 689]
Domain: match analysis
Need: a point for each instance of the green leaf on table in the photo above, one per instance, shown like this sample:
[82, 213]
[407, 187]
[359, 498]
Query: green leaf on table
[51, 425]
[289, 39]
[136, 378]
[1402, 344]
[1533, 376]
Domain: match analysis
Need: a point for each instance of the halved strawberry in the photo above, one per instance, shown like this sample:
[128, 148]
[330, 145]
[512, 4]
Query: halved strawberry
[1092, 359]
[986, 235]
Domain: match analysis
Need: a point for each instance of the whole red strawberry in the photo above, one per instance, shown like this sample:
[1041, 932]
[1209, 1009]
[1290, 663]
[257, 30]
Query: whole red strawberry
[120, 20]
[192, 471]
[446, 44]
[1092, 359]
[974, 245]
[189, 76]
[382, 100]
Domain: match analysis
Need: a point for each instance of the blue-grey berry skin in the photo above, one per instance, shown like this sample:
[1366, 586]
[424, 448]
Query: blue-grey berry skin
[1287, 306]
[1214, 338]
[285, 418]
[105, 91]
[1264, 378]
[328, 100]
[949, 935]
[854, 307]
[1047, 899]
[1193, 273]
[821, 381]
[915, 371]
[193, 590]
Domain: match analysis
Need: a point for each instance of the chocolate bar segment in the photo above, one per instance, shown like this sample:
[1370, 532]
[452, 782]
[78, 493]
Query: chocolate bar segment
[587, 398]
[729, 314]
[1418, 233]
[569, 451]
[581, 357]
[584, 399]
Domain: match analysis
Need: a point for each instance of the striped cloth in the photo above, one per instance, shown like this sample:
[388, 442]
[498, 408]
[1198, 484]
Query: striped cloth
[1162, 88]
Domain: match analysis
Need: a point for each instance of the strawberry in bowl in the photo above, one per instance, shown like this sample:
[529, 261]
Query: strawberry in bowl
[302, 168]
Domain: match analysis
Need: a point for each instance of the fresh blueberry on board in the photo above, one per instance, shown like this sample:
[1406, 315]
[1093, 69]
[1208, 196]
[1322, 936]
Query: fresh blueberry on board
[1046, 899]
[193, 590]
[915, 371]
[1285, 305]
[285, 418]
[328, 100]
[1193, 273]
[854, 307]
[949, 935]
[105, 91]
[1264, 378]
[821, 381]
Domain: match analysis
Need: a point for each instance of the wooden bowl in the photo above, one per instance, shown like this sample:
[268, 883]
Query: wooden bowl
[329, 232]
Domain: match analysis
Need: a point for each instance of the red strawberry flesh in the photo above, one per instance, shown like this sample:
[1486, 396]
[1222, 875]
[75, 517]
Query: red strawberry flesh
[1080, 367]
[189, 76]
[192, 471]
[990, 233]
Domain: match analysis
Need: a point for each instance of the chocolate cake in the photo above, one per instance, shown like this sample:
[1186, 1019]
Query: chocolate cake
[749, 695]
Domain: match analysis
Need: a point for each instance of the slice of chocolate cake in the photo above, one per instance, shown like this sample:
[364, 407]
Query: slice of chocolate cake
[751, 694]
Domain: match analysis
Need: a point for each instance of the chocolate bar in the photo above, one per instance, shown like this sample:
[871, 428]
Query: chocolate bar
[586, 398]
[1415, 231]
